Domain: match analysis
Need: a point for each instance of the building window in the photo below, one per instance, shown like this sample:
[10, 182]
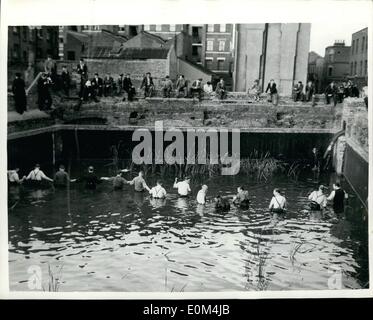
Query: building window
[195, 51]
[209, 63]
[220, 64]
[24, 33]
[39, 53]
[210, 45]
[221, 45]
[363, 44]
[361, 68]
[158, 27]
[331, 57]
[330, 71]
[210, 28]
[147, 27]
[223, 28]
[353, 47]
[70, 55]
[96, 28]
[172, 27]
[16, 51]
[366, 67]
[355, 68]
[357, 46]
[352, 69]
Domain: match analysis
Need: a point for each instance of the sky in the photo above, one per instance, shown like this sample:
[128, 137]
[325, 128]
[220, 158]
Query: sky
[324, 34]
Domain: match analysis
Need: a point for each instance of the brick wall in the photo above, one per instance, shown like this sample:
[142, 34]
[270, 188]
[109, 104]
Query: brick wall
[137, 68]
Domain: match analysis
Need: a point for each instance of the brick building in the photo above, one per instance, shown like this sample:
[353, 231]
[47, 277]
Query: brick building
[359, 57]
[315, 70]
[28, 44]
[267, 51]
[336, 63]
[211, 45]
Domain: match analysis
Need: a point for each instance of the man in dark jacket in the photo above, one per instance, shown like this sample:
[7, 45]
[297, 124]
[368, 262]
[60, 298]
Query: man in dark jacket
[273, 95]
[90, 179]
[221, 90]
[82, 69]
[298, 89]
[181, 86]
[97, 85]
[196, 87]
[331, 92]
[148, 85]
[44, 95]
[19, 92]
[108, 85]
[128, 88]
[65, 80]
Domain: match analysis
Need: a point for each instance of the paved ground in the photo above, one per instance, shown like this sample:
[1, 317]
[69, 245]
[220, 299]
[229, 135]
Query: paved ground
[28, 115]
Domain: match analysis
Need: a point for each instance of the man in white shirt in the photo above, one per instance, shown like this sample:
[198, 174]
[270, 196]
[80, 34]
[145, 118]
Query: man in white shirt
[182, 187]
[207, 88]
[318, 199]
[158, 192]
[13, 176]
[201, 195]
[37, 175]
[278, 202]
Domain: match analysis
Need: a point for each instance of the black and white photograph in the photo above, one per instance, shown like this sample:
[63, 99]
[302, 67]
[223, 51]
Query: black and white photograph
[212, 157]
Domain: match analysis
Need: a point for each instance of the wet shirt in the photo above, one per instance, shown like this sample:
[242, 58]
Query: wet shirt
[242, 195]
[201, 197]
[158, 192]
[183, 188]
[36, 175]
[338, 197]
[119, 182]
[61, 178]
[91, 180]
[318, 197]
[139, 183]
[13, 176]
[278, 202]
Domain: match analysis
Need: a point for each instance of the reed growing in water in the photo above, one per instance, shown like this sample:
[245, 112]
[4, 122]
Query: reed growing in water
[260, 167]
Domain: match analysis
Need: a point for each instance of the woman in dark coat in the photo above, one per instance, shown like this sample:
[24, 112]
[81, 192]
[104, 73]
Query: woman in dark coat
[19, 93]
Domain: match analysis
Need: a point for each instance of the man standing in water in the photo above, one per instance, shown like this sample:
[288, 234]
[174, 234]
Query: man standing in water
[317, 199]
[201, 195]
[139, 182]
[61, 177]
[338, 195]
[37, 175]
[183, 187]
[278, 202]
[13, 177]
[91, 180]
[158, 192]
[242, 197]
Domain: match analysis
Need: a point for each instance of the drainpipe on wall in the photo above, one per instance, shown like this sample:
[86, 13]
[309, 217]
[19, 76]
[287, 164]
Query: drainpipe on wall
[264, 53]
[235, 45]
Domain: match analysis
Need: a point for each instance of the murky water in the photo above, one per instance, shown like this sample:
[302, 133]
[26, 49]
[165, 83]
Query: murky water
[107, 240]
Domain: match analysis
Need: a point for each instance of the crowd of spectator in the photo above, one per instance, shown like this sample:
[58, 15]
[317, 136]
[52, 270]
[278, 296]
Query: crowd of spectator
[90, 89]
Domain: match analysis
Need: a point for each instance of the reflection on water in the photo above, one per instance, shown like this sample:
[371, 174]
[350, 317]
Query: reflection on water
[109, 240]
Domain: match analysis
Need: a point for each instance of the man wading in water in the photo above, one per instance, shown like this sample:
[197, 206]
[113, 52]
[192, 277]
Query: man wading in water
[139, 183]
[90, 179]
[37, 176]
[278, 202]
[183, 187]
[338, 195]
